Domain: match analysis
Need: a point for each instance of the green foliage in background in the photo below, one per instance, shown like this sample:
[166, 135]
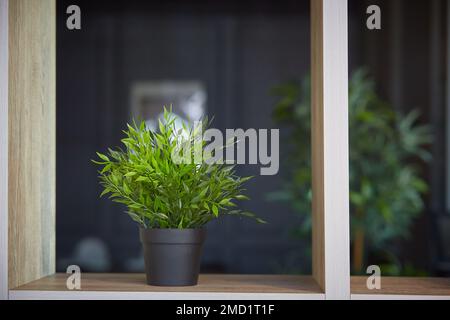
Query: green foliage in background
[385, 150]
[160, 193]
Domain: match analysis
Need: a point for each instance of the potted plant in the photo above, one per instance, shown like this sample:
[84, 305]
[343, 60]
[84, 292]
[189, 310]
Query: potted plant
[170, 201]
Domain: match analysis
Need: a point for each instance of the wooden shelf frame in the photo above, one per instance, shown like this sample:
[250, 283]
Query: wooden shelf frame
[210, 286]
[27, 172]
[229, 287]
[412, 288]
[4, 84]
[30, 114]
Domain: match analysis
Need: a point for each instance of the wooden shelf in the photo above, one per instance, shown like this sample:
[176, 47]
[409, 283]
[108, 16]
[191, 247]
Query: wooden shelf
[214, 286]
[402, 287]
[210, 286]
[27, 181]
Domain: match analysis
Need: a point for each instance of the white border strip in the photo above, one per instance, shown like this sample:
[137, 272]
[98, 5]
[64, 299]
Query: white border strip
[336, 149]
[116, 295]
[397, 297]
[4, 149]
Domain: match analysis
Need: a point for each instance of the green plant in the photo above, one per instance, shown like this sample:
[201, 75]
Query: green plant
[385, 146]
[161, 193]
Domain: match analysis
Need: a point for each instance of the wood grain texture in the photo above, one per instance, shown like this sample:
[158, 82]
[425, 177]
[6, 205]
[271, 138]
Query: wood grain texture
[150, 295]
[403, 286]
[211, 286]
[135, 282]
[317, 143]
[330, 176]
[31, 157]
[3, 149]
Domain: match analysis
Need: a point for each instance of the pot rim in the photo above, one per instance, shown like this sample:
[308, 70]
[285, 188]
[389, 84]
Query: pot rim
[172, 235]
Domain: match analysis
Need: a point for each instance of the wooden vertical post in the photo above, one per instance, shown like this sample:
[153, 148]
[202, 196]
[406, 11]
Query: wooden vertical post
[31, 151]
[3, 149]
[330, 182]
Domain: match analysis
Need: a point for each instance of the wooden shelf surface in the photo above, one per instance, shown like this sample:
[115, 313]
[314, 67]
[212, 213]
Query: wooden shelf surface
[403, 286]
[135, 282]
[221, 286]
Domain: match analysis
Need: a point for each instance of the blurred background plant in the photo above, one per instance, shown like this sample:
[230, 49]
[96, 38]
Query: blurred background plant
[387, 149]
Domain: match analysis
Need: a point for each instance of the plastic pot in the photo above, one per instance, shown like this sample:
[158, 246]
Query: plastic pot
[172, 256]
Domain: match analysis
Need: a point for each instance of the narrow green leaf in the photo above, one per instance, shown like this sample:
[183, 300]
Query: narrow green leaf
[106, 168]
[215, 210]
[130, 174]
[104, 192]
[102, 156]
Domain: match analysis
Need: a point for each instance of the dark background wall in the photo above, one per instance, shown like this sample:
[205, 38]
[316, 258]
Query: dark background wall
[238, 53]
[239, 50]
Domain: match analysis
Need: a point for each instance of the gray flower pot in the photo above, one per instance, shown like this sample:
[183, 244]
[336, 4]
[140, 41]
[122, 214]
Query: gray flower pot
[172, 256]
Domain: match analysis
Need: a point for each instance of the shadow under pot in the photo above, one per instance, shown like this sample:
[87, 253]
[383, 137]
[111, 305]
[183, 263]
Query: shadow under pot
[172, 256]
